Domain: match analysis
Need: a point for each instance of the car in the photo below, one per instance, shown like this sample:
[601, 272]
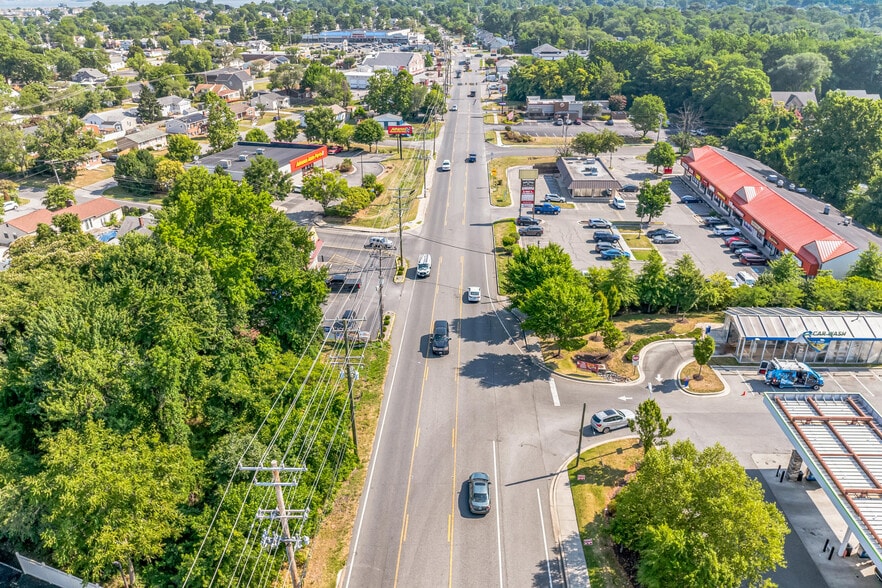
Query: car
[472, 158]
[772, 178]
[732, 243]
[379, 243]
[745, 249]
[334, 149]
[445, 165]
[660, 231]
[441, 337]
[711, 221]
[473, 294]
[10, 205]
[554, 198]
[603, 246]
[726, 231]
[606, 192]
[611, 419]
[531, 231]
[479, 493]
[599, 223]
[752, 259]
[732, 281]
[546, 208]
[454, 108]
[731, 240]
[780, 183]
[607, 236]
[568, 122]
[791, 186]
[558, 122]
[613, 253]
[745, 278]
[527, 221]
[666, 238]
[609, 122]
[577, 122]
[618, 203]
[690, 199]
[802, 190]
[630, 188]
[344, 282]
[348, 320]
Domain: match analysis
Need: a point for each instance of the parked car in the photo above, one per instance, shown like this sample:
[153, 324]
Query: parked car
[752, 259]
[558, 122]
[472, 158]
[599, 223]
[607, 236]
[772, 178]
[618, 203]
[479, 493]
[745, 278]
[546, 208]
[527, 221]
[738, 244]
[630, 188]
[726, 231]
[473, 294]
[732, 281]
[531, 231]
[611, 419]
[609, 122]
[613, 253]
[660, 231]
[334, 149]
[730, 240]
[802, 190]
[577, 122]
[606, 193]
[604, 245]
[666, 238]
[10, 205]
[711, 221]
[745, 249]
[554, 198]
[690, 199]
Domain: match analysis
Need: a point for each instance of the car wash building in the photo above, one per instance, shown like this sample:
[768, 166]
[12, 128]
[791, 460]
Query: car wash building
[757, 334]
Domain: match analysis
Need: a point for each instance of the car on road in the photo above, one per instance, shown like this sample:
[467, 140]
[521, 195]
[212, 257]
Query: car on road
[611, 419]
[441, 338]
[348, 320]
[445, 165]
[667, 238]
[344, 282]
[454, 108]
[613, 253]
[472, 158]
[711, 221]
[10, 205]
[772, 178]
[599, 223]
[554, 198]
[802, 190]
[546, 208]
[752, 259]
[618, 203]
[607, 236]
[527, 221]
[745, 278]
[473, 294]
[726, 231]
[531, 231]
[379, 243]
[630, 188]
[690, 199]
[659, 231]
[479, 493]
[609, 122]
[603, 246]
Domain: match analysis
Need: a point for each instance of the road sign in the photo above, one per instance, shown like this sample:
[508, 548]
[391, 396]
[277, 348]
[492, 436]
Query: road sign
[400, 130]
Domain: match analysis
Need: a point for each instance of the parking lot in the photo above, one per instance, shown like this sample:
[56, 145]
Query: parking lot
[857, 380]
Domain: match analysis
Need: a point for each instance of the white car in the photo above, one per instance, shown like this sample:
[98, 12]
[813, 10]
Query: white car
[10, 205]
[454, 108]
[554, 198]
[611, 419]
[733, 281]
[726, 231]
[618, 202]
[745, 278]
[445, 165]
[473, 294]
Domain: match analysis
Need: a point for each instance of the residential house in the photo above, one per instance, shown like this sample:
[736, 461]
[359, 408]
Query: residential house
[243, 111]
[549, 52]
[90, 160]
[93, 214]
[151, 138]
[135, 88]
[503, 66]
[174, 106]
[142, 225]
[258, 46]
[339, 113]
[111, 121]
[794, 101]
[859, 94]
[389, 120]
[236, 79]
[269, 100]
[220, 90]
[193, 42]
[192, 125]
[23, 226]
[117, 62]
[89, 76]
[394, 61]
[278, 60]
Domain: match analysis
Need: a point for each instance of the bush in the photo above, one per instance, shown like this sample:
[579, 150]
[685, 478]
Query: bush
[509, 240]
[507, 128]
[636, 347]
[346, 165]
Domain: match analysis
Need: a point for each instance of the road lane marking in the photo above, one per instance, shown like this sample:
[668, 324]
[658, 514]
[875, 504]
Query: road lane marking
[856, 379]
[452, 514]
[406, 521]
[553, 387]
[498, 518]
[544, 539]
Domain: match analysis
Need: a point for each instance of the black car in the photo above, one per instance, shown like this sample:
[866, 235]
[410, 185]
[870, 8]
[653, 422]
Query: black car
[690, 199]
[657, 232]
[752, 259]
[606, 193]
[526, 221]
[630, 188]
[607, 236]
[531, 231]
[441, 338]
[344, 282]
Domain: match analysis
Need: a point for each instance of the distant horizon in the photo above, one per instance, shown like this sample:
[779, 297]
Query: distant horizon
[50, 4]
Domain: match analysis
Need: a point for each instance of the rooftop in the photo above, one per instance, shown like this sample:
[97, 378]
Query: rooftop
[792, 323]
[281, 153]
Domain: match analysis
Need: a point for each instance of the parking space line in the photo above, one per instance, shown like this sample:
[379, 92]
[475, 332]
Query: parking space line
[858, 380]
[829, 373]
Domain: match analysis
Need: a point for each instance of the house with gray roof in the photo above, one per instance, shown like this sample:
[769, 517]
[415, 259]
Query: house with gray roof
[173, 106]
[394, 61]
[89, 76]
[269, 100]
[150, 138]
[235, 79]
[795, 101]
[549, 52]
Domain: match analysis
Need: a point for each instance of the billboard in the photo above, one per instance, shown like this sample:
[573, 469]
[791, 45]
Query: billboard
[399, 130]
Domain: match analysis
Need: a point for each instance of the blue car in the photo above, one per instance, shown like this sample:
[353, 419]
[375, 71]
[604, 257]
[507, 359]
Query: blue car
[613, 253]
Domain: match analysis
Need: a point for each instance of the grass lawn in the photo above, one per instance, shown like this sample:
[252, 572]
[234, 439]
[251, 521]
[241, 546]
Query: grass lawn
[709, 383]
[121, 193]
[330, 546]
[502, 256]
[604, 467]
[87, 177]
[431, 131]
[499, 192]
[403, 173]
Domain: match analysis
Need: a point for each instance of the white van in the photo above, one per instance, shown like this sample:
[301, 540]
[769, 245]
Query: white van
[618, 202]
[424, 266]
[745, 278]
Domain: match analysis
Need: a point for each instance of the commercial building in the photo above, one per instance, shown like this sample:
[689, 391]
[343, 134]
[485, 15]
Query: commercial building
[585, 177]
[291, 158]
[757, 334]
[566, 107]
[396, 37]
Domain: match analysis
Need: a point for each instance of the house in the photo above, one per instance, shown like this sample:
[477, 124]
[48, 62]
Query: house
[142, 225]
[111, 121]
[147, 139]
[90, 160]
[88, 76]
[859, 94]
[135, 88]
[389, 120]
[193, 42]
[503, 66]
[192, 125]
[173, 106]
[220, 90]
[339, 113]
[96, 213]
[23, 226]
[278, 60]
[258, 46]
[794, 101]
[548, 52]
[394, 61]
[269, 100]
[243, 111]
[235, 79]
[117, 62]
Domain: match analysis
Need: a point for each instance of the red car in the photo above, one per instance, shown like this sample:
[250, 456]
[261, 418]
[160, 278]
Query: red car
[752, 259]
[334, 149]
[731, 240]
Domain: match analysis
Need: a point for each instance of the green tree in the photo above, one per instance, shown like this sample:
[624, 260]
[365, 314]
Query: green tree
[192, 59]
[256, 135]
[117, 86]
[661, 155]
[223, 130]
[652, 199]
[651, 427]
[60, 144]
[263, 174]
[320, 124]
[148, 107]
[57, 197]
[612, 336]
[324, 187]
[286, 76]
[685, 283]
[342, 135]
[824, 292]
[136, 171]
[67, 222]
[652, 283]
[783, 281]
[622, 279]
[587, 143]
[13, 152]
[435, 101]
[379, 96]
[647, 113]
[868, 264]
[702, 351]
[368, 132]
[664, 513]
[66, 65]
[802, 71]
[863, 294]
[731, 91]
[168, 79]
[182, 148]
[609, 142]
[564, 309]
[530, 267]
[167, 172]
[766, 134]
[286, 130]
[9, 190]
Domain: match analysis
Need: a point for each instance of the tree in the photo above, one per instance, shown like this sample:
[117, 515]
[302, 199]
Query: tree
[667, 513]
[609, 142]
[783, 280]
[148, 107]
[287, 77]
[66, 65]
[766, 134]
[652, 283]
[587, 143]
[136, 171]
[647, 113]
[649, 424]
[661, 155]
[731, 91]
[257, 136]
[379, 92]
[623, 281]
[192, 59]
[529, 267]
[13, 153]
[168, 79]
[9, 190]
[57, 197]
[652, 199]
[67, 222]
[182, 148]
[342, 135]
[117, 86]
[612, 336]
[685, 283]
[167, 172]
[320, 124]
[435, 101]
[368, 132]
[324, 187]
[618, 102]
[562, 308]
[223, 130]
[263, 174]
[286, 129]
[369, 182]
[60, 144]
[868, 264]
[802, 71]
[703, 350]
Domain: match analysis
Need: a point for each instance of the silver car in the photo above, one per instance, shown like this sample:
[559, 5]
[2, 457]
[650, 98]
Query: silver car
[611, 419]
[479, 493]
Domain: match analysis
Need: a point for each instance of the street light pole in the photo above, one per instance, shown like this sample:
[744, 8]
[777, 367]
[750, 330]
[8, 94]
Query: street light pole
[661, 119]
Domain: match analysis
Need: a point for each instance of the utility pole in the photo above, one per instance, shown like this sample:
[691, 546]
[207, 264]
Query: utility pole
[400, 207]
[382, 281]
[347, 362]
[281, 513]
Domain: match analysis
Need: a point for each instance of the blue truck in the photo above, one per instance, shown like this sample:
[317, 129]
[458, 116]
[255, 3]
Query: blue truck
[546, 208]
[788, 373]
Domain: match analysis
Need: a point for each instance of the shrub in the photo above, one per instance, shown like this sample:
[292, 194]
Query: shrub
[640, 344]
[509, 240]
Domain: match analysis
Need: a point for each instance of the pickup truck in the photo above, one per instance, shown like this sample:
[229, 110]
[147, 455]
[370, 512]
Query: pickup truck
[546, 208]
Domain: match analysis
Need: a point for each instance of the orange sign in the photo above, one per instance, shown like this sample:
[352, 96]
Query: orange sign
[400, 130]
[309, 158]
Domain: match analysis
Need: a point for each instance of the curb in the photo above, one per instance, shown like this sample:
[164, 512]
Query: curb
[724, 392]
